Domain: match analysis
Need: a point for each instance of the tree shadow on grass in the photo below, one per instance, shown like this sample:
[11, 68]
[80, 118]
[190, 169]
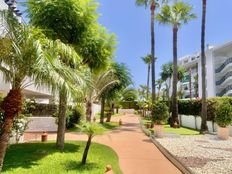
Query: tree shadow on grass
[75, 165]
[28, 154]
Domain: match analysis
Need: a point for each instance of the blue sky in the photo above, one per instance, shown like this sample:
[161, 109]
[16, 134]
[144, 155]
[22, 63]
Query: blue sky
[131, 24]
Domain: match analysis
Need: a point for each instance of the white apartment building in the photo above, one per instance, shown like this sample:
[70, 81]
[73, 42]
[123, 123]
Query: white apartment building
[218, 72]
[41, 94]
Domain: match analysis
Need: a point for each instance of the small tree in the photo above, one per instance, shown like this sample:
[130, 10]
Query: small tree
[91, 130]
[224, 114]
[160, 113]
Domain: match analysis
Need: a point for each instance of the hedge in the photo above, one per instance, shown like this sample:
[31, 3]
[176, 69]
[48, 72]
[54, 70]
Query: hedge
[129, 105]
[40, 109]
[193, 107]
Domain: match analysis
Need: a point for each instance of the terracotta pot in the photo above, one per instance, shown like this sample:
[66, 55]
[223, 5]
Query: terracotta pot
[223, 133]
[159, 131]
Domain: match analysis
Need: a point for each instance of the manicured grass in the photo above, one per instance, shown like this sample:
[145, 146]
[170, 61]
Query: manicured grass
[110, 125]
[168, 129]
[107, 125]
[180, 131]
[43, 158]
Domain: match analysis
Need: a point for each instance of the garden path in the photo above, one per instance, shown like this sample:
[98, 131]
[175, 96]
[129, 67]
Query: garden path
[137, 154]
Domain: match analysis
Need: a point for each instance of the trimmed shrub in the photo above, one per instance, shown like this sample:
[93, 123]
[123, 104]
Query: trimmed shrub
[224, 114]
[193, 107]
[189, 107]
[160, 113]
[40, 109]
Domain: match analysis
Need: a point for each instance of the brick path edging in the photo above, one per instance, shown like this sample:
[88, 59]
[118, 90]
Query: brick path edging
[166, 153]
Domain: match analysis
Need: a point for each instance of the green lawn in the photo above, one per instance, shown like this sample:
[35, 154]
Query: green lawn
[168, 129]
[107, 125]
[43, 158]
[180, 131]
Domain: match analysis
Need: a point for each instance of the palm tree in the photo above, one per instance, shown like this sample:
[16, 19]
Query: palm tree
[123, 76]
[100, 83]
[83, 32]
[204, 127]
[190, 84]
[153, 5]
[148, 60]
[25, 57]
[166, 75]
[159, 86]
[177, 14]
[91, 130]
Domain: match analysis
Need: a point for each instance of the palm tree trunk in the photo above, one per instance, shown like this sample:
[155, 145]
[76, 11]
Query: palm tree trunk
[174, 84]
[11, 105]
[61, 119]
[148, 78]
[102, 110]
[153, 7]
[85, 154]
[190, 83]
[88, 110]
[112, 108]
[203, 71]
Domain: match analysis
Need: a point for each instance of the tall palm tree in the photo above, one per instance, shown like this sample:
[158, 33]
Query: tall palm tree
[204, 127]
[190, 83]
[25, 57]
[153, 5]
[148, 60]
[159, 86]
[166, 75]
[177, 14]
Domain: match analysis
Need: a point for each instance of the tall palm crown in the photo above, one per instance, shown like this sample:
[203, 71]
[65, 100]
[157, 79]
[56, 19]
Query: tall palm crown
[147, 59]
[176, 15]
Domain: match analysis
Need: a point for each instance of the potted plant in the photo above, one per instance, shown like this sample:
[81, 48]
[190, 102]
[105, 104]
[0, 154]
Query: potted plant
[159, 117]
[223, 119]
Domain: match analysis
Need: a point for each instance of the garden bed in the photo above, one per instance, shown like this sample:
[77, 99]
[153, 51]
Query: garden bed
[205, 154]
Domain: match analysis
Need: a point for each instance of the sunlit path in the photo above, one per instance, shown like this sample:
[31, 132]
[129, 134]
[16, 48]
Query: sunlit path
[137, 154]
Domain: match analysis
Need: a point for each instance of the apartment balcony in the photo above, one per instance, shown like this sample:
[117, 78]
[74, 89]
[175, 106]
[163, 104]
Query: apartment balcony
[225, 79]
[226, 91]
[221, 68]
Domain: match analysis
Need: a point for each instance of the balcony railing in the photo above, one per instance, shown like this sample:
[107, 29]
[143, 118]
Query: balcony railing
[228, 61]
[223, 79]
[224, 91]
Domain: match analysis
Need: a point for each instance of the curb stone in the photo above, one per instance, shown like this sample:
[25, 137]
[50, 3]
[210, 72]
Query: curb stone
[166, 153]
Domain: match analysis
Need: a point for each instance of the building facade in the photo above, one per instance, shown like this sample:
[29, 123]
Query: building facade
[218, 72]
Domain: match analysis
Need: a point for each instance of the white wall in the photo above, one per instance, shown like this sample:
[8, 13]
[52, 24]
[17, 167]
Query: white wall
[95, 109]
[191, 122]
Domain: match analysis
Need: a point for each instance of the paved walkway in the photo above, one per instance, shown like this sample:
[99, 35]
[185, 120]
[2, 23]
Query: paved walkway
[137, 154]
